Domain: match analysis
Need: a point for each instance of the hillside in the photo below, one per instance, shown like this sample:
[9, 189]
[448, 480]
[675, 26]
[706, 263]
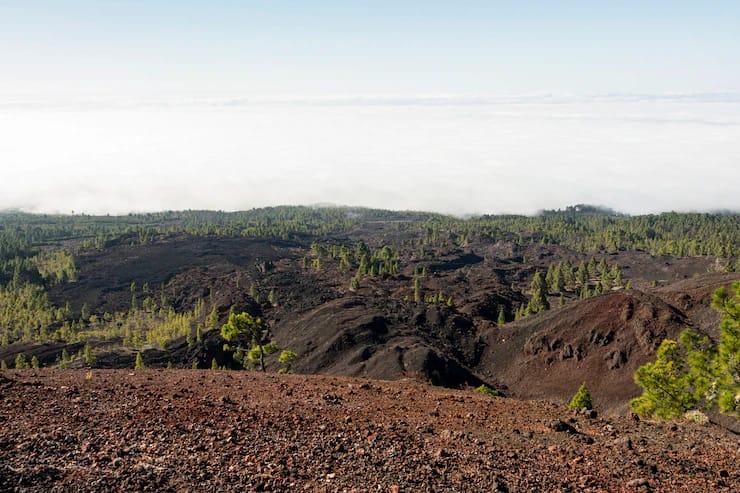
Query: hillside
[368, 293]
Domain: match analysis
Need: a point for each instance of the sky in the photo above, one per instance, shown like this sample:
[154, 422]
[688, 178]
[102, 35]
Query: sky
[458, 107]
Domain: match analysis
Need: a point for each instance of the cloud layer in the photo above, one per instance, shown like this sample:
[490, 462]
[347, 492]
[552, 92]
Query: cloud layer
[641, 153]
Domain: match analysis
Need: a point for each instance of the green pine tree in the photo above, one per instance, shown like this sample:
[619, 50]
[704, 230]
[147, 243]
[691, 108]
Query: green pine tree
[244, 325]
[87, 355]
[694, 373]
[254, 294]
[139, 363]
[538, 302]
[213, 318]
[501, 316]
[21, 362]
[582, 399]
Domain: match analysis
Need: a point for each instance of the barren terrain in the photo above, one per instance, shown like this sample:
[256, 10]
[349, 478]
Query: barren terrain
[180, 430]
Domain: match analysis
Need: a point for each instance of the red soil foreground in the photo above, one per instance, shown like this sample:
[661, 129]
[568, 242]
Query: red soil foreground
[199, 430]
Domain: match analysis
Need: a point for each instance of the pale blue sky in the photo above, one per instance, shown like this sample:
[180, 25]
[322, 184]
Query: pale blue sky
[454, 106]
[155, 47]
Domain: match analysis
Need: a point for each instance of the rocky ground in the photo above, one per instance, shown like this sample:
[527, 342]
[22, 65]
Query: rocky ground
[200, 430]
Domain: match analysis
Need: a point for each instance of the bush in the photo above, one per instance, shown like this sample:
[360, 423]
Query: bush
[485, 389]
[697, 417]
[286, 359]
[582, 399]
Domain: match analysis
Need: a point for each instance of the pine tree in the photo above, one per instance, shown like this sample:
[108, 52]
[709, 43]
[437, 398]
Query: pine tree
[582, 275]
[64, 359]
[254, 294]
[244, 325]
[550, 277]
[727, 364]
[194, 366]
[538, 302]
[417, 289]
[558, 280]
[21, 362]
[693, 372]
[133, 296]
[354, 284]
[213, 318]
[34, 362]
[3, 365]
[214, 364]
[139, 363]
[582, 399]
[501, 316]
[87, 355]
[272, 298]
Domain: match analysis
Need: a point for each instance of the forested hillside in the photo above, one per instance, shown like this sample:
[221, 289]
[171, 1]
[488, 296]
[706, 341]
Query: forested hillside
[357, 291]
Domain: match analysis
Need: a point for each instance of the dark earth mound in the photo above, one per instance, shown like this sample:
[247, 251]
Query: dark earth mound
[183, 262]
[600, 341]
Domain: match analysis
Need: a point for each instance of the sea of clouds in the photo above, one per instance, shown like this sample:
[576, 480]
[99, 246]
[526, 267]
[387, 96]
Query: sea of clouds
[635, 153]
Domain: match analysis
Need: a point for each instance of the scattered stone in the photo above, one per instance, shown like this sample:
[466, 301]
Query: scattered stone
[380, 441]
[561, 426]
[637, 483]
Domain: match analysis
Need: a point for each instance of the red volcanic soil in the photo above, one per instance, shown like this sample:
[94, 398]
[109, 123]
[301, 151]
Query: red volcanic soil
[190, 430]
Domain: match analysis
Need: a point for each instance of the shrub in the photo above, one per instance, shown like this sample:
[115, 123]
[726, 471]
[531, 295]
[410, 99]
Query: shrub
[286, 359]
[697, 417]
[582, 399]
[139, 363]
[485, 389]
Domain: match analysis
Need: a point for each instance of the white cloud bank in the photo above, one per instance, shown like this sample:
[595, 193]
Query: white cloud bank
[459, 155]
